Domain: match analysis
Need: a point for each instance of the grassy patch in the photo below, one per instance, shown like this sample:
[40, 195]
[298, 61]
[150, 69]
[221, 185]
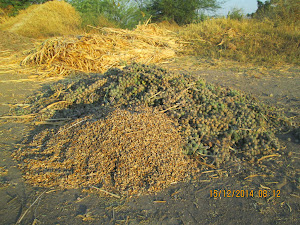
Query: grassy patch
[244, 41]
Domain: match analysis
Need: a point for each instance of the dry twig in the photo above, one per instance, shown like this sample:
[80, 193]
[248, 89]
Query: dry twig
[21, 218]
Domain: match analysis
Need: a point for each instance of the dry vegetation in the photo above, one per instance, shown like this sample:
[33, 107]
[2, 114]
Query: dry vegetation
[110, 47]
[48, 19]
[245, 41]
[263, 43]
[3, 16]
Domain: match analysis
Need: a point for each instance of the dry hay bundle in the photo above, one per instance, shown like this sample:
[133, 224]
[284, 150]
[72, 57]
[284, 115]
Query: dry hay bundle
[48, 19]
[99, 52]
[131, 151]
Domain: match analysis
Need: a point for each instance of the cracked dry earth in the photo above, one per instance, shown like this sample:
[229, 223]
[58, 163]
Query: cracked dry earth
[182, 203]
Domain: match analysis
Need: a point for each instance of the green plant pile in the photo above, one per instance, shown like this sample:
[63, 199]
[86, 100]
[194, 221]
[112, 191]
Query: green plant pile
[217, 124]
[70, 98]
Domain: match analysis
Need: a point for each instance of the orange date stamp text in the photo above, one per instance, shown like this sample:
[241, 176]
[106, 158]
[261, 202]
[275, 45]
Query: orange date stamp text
[244, 193]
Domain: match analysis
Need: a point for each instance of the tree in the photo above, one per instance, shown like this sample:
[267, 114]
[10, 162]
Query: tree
[20, 3]
[287, 11]
[180, 11]
[235, 14]
[119, 12]
[263, 9]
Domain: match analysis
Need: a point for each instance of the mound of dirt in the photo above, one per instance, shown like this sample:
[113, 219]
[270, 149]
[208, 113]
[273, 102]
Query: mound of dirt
[127, 152]
[49, 19]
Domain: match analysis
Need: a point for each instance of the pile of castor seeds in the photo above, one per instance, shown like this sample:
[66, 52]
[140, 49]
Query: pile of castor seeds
[142, 128]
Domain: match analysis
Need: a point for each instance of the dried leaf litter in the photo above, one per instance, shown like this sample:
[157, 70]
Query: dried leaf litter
[181, 114]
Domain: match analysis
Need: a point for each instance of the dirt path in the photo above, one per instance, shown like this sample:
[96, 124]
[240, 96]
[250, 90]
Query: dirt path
[183, 203]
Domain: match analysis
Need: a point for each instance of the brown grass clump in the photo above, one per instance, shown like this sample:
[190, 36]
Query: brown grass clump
[49, 19]
[128, 152]
[99, 52]
[260, 42]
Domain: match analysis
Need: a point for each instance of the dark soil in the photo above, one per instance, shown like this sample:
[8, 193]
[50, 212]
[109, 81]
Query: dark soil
[181, 203]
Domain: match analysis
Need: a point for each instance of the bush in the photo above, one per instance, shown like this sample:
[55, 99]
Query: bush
[279, 11]
[182, 12]
[116, 13]
[235, 14]
[14, 6]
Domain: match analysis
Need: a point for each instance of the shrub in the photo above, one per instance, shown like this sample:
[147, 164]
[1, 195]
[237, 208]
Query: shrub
[279, 11]
[235, 14]
[12, 7]
[182, 12]
[117, 13]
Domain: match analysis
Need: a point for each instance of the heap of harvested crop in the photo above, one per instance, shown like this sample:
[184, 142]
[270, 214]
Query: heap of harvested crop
[99, 52]
[127, 152]
[217, 125]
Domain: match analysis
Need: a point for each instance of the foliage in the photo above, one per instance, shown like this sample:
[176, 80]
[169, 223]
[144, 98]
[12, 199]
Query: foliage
[279, 11]
[117, 13]
[235, 14]
[92, 11]
[14, 6]
[182, 12]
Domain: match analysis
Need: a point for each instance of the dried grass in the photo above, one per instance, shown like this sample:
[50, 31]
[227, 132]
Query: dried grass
[110, 47]
[3, 16]
[248, 40]
[48, 19]
[13, 47]
[169, 25]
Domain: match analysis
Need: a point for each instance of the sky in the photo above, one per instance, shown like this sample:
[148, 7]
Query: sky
[248, 6]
